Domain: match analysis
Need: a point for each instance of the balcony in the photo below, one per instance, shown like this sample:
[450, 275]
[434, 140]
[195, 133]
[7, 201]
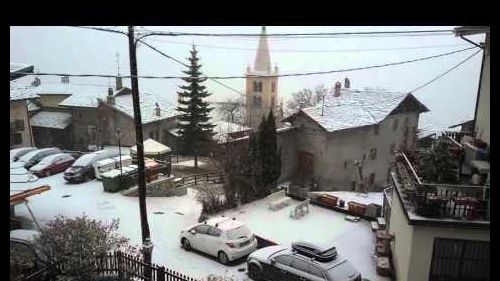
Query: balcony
[438, 201]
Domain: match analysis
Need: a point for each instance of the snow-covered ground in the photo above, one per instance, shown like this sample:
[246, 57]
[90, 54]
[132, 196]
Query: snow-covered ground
[353, 240]
[188, 163]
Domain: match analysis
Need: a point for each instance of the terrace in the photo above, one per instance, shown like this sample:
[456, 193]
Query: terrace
[455, 202]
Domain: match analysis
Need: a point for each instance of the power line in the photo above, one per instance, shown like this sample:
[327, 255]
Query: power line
[409, 32]
[102, 29]
[446, 72]
[314, 51]
[256, 75]
[180, 62]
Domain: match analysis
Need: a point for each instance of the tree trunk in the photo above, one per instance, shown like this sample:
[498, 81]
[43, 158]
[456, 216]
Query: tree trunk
[196, 161]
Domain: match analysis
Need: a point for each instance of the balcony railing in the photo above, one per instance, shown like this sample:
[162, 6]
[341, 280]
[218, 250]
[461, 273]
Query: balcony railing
[439, 200]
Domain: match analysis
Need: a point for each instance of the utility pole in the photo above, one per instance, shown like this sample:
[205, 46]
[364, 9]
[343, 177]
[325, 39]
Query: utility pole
[141, 181]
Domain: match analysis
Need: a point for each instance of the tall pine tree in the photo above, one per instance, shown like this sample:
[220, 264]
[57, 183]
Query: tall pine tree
[194, 127]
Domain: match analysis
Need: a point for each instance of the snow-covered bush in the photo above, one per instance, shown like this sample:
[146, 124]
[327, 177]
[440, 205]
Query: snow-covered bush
[211, 199]
[77, 242]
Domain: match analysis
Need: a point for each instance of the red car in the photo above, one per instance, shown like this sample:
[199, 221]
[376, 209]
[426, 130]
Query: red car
[53, 164]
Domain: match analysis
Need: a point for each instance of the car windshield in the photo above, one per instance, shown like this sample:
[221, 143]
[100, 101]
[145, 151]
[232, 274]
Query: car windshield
[239, 232]
[85, 160]
[26, 157]
[49, 159]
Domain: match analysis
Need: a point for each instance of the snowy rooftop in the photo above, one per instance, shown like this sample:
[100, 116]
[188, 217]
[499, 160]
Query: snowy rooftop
[148, 102]
[81, 95]
[21, 89]
[48, 119]
[354, 108]
[16, 70]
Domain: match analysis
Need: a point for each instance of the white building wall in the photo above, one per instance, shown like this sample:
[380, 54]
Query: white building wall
[412, 246]
[483, 107]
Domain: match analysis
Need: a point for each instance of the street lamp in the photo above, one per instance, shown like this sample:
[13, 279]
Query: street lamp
[118, 135]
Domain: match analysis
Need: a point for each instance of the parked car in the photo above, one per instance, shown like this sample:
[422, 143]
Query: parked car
[83, 170]
[225, 238]
[33, 157]
[24, 256]
[16, 153]
[300, 262]
[52, 164]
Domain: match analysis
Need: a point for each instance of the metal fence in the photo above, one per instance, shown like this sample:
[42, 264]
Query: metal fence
[118, 265]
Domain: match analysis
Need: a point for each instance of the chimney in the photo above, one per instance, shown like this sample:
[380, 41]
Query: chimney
[110, 98]
[337, 89]
[36, 82]
[65, 79]
[119, 84]
[347, 83]
[157, 110]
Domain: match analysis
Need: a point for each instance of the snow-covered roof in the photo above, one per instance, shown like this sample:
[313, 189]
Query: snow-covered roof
[49, 119]
[32, 106]
[18, 69]
[81, 95]
[21, 89]
[152, 147]
[354, 108]
[124, 104]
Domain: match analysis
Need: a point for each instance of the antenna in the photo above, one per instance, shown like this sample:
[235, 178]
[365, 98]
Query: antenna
[118, 63]
[323, 105]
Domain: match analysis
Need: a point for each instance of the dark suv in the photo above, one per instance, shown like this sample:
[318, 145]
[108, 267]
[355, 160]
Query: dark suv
[301, 262]
[82, 170]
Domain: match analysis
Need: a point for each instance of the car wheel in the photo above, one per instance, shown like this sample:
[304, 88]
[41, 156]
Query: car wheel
[254, 272]
[185, 244]
[223, 258]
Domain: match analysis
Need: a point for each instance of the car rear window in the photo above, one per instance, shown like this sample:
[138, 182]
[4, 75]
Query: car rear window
[239, 232]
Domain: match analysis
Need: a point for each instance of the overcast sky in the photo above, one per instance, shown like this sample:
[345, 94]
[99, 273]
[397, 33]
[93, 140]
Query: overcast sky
[451, 98]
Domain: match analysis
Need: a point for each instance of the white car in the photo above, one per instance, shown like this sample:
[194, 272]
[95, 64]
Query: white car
[225, 238]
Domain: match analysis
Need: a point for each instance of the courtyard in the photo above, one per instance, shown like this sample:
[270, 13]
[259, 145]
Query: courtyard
[169, 215]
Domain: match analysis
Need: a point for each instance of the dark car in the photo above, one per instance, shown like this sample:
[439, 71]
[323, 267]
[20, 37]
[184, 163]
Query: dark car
[82, 169]
[279, 263]
[52, 164]
[32, 158]
[16, 153]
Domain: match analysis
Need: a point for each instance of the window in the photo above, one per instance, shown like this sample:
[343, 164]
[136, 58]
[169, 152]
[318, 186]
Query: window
[371, 179]
[92, 134]
[373, 154]
[300, 264]
[314, 270]
[395, 122]
[460, 260]
[214, 231]
[392, 148]
[203, 229]
[273, 87]
[16, 138]
[375, 129]
[259, 84]
[284, 260]
[255, 87]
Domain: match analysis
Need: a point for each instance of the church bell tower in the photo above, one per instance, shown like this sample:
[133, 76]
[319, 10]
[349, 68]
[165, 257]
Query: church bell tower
[262, 86]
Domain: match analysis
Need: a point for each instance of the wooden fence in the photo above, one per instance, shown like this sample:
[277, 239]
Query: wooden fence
[116, 265]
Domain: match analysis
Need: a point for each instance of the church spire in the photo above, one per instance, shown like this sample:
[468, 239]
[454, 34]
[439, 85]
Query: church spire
[263, 59]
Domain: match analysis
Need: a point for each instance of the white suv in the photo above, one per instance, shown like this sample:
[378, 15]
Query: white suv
[225, 238]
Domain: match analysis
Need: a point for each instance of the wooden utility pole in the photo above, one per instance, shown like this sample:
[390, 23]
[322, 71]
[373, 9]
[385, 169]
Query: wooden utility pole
[141, 181]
